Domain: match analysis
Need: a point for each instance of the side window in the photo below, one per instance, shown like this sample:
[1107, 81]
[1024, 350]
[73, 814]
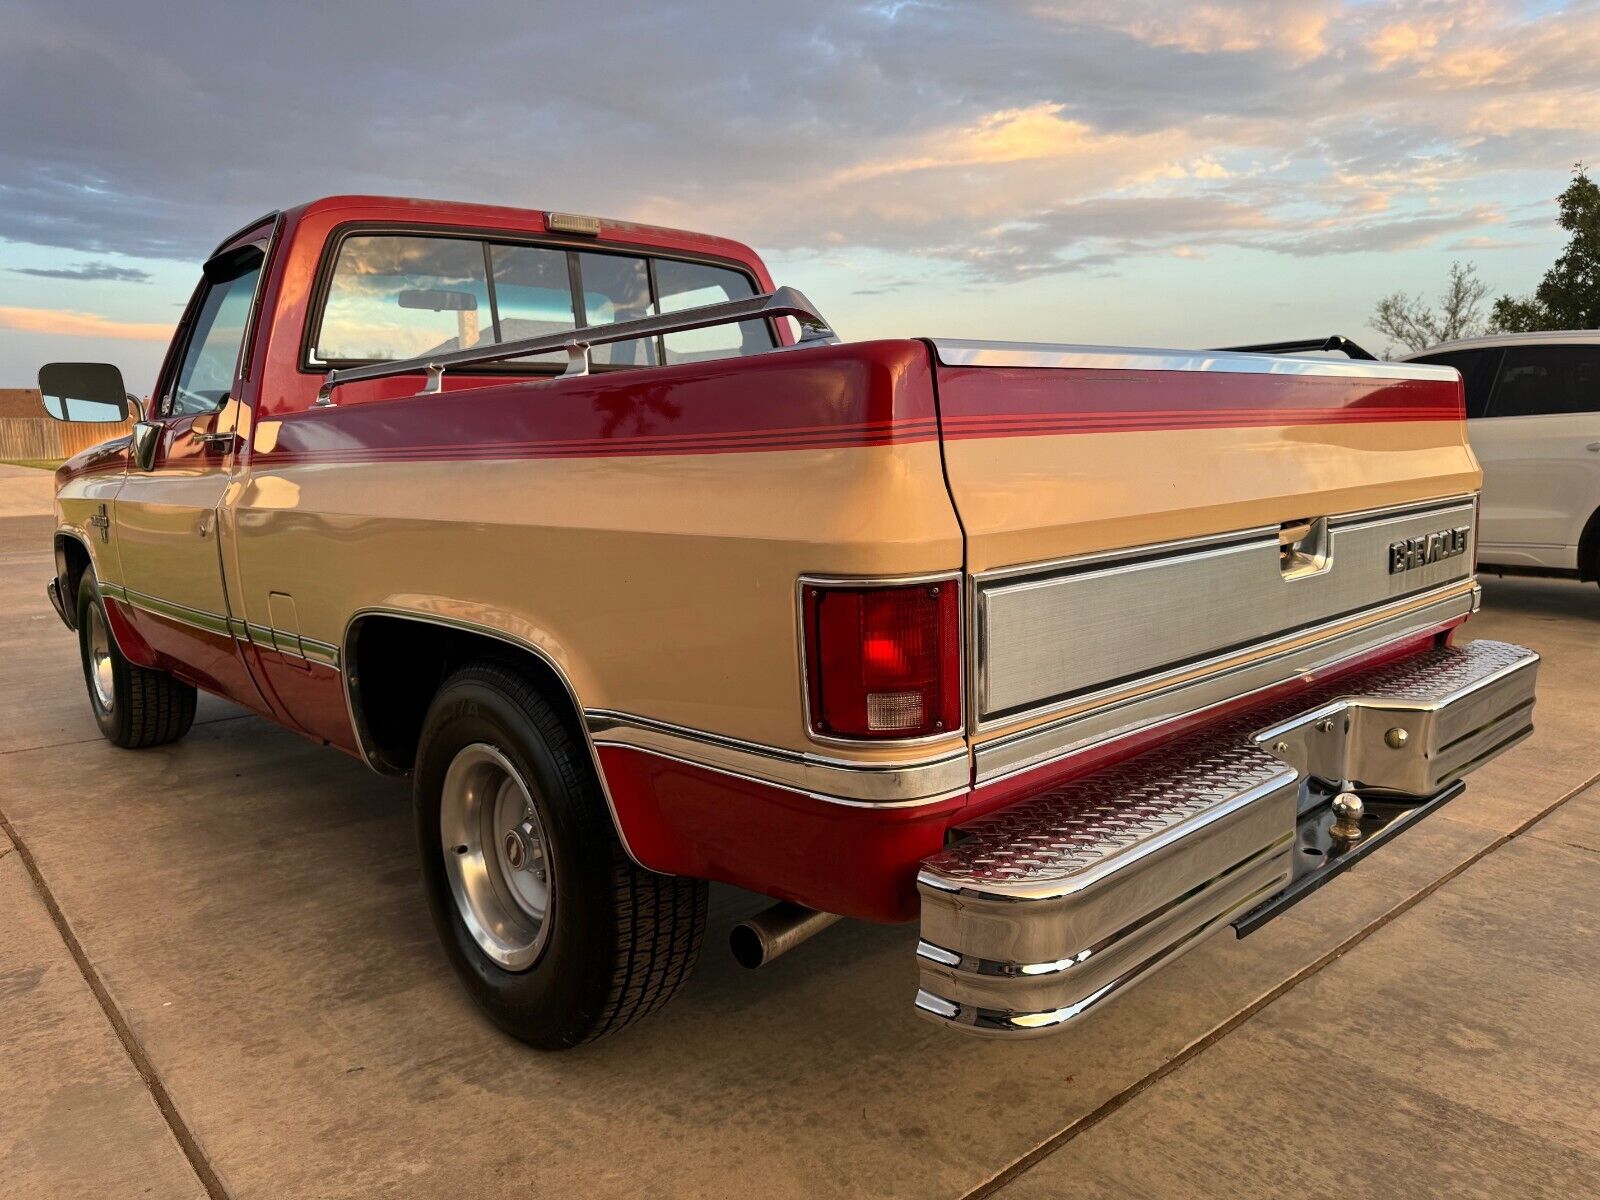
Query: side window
[1477, 369]
[681, 285]
[400, 297]
[1544, 380]
[211, 356]
[616, 287]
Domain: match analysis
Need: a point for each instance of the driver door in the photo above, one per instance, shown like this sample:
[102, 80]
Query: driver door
[167, 517]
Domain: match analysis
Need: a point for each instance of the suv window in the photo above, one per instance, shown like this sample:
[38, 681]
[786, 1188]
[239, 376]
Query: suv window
[1477, 369]
[393, 295]
[211, 356]
[1539, 380]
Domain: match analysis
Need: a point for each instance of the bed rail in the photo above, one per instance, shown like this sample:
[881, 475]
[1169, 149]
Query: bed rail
[784, 302]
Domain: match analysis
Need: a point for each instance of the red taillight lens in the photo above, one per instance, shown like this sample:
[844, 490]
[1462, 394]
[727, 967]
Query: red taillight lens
[883, 662]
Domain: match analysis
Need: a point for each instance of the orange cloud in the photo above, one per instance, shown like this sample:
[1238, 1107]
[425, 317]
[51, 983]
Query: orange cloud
[66, 323]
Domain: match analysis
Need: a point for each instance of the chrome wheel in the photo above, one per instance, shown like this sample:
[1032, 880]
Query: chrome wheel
[101, 678]
[496, 856]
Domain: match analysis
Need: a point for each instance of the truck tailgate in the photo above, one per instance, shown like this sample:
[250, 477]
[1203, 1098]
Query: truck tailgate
[1141, 521]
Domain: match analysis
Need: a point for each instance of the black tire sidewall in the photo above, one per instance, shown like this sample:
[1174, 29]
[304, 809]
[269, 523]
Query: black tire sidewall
[563, 994]
[113, 724]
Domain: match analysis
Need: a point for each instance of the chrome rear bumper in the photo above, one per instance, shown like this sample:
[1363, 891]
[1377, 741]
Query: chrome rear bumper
[1038, 912]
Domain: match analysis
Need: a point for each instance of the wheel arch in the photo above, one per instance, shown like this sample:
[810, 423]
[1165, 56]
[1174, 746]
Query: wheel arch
[395, 661]
[1589, 549]
[72, 560]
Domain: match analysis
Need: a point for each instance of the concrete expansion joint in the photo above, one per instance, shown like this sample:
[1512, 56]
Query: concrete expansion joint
[199, 1162]
[1083, 1124]
[97, 740]
[1567, 842]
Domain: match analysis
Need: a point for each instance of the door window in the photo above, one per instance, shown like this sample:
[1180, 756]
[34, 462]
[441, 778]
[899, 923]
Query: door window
[211, 357]
[1544, 380]
[1477, 369]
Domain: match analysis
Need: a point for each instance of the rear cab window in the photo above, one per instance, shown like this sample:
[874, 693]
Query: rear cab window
[394, 295]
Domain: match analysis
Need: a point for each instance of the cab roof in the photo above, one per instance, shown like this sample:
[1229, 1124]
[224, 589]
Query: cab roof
[499, 218]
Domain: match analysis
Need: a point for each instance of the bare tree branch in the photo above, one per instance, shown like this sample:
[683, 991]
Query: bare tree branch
[1415, 324]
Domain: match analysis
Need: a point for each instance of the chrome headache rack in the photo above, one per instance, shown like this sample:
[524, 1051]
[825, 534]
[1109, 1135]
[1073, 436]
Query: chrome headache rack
[784, 302]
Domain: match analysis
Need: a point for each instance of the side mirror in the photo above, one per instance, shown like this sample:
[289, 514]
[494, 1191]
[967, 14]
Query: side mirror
[83, 392]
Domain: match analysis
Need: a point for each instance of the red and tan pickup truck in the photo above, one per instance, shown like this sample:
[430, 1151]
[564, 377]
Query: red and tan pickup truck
[647, 579]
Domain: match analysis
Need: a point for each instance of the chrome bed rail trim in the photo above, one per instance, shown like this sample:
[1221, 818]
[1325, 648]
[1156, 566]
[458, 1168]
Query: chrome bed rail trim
[1114, 713]
[840, 781]
[960, 352]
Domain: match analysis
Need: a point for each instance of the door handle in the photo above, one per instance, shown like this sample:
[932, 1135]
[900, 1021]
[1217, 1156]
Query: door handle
[203, 429]
[1594, 447]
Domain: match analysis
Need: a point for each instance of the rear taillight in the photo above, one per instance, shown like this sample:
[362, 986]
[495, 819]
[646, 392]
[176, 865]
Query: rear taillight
[883, 662]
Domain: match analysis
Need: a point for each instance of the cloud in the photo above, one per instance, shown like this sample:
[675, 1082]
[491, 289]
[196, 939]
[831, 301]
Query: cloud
[1004, 139]
[1487, 243]
[66, 323]
[87, 272]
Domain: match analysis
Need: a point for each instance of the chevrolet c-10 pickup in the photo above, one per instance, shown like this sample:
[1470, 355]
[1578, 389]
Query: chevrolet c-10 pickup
[646, 579]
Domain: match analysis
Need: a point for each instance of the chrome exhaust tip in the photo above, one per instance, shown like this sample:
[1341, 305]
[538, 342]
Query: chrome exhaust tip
[775, 931]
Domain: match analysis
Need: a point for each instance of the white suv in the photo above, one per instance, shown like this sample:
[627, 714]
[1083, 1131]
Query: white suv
[1533, 417]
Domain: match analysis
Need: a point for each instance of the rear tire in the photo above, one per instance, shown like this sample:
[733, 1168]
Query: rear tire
[556, 934]
[135, 707]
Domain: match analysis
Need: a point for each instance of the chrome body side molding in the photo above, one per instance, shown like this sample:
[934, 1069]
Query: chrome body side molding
[1037, 913]
[834, 780]
[956, 352]
[281, 640]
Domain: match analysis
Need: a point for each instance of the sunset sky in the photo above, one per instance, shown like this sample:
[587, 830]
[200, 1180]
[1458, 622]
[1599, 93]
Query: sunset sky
[1139, 172]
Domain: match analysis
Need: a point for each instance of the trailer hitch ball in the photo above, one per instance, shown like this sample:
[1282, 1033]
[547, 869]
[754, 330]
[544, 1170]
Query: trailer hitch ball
[1347, 813]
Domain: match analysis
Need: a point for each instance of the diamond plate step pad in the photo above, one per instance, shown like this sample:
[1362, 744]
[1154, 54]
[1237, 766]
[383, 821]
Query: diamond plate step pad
[1076, 825]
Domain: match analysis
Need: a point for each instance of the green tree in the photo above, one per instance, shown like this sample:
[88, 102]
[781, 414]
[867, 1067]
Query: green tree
[1569, 295]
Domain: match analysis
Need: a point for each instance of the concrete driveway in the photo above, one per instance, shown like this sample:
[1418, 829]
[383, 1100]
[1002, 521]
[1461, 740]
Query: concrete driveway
[217, 978]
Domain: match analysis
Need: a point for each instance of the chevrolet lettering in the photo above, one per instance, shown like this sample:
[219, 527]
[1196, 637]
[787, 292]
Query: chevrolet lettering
[641, 578]
[1430, 548]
